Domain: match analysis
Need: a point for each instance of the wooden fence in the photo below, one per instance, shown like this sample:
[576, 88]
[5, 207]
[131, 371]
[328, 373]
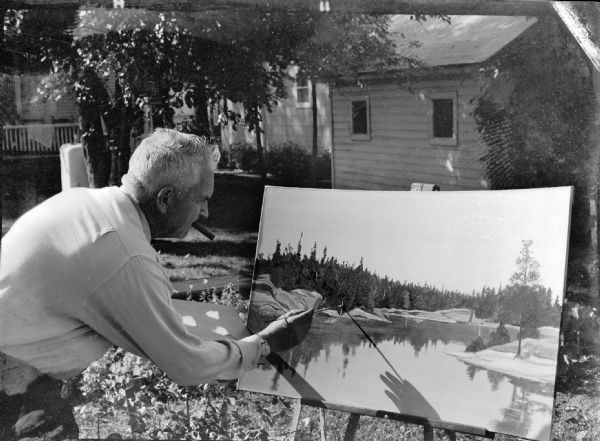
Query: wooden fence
[32, 139]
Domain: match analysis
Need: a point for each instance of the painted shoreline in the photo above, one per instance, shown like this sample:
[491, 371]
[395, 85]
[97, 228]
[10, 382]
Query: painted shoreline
[538, 359]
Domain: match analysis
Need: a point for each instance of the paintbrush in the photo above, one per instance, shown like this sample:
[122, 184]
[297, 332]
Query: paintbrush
[202, 229]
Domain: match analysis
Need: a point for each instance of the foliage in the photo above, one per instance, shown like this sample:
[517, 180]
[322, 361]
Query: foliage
[528, 269]
[500, 336]
[27, 31]
[475, 346]
[342, 46]
[224, 160]
[356, 286]
[165, 59]
[537, 129]
[288, 162]
[243, 156]
[524, 306]
[526, 303]
[345, 44]
[291, 164]
[8, 109]
[121, 381]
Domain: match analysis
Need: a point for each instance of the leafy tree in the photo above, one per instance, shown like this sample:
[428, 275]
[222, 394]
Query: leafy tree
[340, 47]
[537, 129]
[165, 59]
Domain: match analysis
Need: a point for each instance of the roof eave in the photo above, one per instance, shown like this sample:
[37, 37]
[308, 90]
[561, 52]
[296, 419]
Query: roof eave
[412, 74]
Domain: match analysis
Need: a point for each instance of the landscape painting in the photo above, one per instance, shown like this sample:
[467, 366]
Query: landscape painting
[441, 305]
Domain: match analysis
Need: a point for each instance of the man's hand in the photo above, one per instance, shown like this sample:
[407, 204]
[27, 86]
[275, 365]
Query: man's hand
[288, 330]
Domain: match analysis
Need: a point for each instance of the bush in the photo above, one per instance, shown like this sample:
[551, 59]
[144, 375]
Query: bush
[499, 337]
[476, 345]
[289, 162]
[243, 156]
[323, 167]
[224, 161]
[157, 407]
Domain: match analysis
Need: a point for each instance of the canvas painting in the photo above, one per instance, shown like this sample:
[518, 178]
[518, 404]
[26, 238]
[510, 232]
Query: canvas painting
[441, 305]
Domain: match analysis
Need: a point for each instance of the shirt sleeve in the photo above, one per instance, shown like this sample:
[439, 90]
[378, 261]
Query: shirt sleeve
[133, 310]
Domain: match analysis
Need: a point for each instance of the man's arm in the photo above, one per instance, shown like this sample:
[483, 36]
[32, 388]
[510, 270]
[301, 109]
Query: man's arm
[133, 310]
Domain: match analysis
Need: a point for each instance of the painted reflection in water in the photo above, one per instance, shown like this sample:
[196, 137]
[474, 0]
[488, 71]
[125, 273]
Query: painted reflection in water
[337, 364]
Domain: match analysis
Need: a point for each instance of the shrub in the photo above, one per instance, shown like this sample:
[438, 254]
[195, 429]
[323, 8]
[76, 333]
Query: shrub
[476, 345]
[289, 162]
[243, 156]
[224, 161]
[158, 408]
[323, 166]
[499, 337]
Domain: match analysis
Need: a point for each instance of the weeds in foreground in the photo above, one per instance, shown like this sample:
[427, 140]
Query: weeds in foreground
[131, 397]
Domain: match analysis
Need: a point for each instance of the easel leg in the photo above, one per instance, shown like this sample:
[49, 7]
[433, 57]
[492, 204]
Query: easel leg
[351, 427]
[295, 420]
[322, 421]
[427, 432]
[451, 435]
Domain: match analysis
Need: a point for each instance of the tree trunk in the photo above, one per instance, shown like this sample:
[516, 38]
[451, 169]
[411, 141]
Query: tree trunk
[260, 153]
[93, 101]
[520, 338]
[201, 112]
[3, 62]
[122, 140]
[315, 134]
[593, 181]
[97, 159]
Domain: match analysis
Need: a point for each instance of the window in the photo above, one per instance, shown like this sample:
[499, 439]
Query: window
[302, 92]
[443, 118]
[360, 118]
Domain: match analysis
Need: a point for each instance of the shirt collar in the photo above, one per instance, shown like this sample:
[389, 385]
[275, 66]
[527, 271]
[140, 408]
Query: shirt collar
[144, 221]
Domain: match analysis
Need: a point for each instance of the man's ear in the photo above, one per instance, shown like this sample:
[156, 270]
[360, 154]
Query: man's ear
[165, 198]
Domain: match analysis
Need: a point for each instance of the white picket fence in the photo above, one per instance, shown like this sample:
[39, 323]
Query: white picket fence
[37, 138]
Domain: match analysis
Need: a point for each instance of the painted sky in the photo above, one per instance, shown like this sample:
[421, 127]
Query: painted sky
[456, 240]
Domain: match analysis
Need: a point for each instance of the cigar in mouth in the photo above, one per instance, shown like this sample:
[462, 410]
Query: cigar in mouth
[205, 231]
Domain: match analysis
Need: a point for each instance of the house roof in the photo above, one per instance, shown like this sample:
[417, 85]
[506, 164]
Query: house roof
[468, 39]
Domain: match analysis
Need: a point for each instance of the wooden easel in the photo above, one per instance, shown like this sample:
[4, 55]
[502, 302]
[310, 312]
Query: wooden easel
[450, 429]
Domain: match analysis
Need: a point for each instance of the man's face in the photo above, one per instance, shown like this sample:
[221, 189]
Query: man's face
[189, 205]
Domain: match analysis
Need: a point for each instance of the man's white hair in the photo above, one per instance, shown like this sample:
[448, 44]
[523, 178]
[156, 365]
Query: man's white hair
[168, 158]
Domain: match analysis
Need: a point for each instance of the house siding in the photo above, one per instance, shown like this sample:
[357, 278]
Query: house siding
[399, 151]
[287, 122]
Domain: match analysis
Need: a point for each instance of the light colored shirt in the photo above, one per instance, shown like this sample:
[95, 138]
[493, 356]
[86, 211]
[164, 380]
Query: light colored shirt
[78, 274]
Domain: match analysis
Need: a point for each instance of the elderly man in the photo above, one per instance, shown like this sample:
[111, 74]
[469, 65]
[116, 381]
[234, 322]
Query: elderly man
[78, 275]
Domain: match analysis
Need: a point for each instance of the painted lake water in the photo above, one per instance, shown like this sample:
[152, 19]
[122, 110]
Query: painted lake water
[413, 375]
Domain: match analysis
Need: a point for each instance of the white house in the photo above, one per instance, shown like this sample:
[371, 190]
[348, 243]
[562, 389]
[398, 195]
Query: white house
[417, 126]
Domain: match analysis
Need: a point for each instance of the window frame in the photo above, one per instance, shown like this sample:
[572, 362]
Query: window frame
[360, 136]
[303, 104]
[449, 141]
